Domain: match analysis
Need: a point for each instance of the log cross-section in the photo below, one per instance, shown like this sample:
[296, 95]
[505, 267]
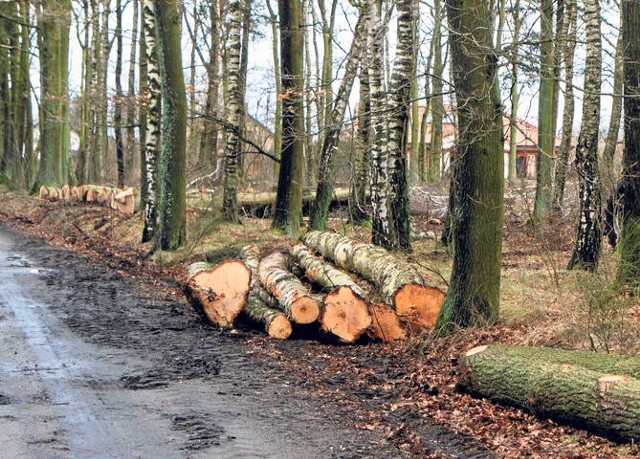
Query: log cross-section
[221, 290]
[346, 312]
[399, 282]
[294, 299]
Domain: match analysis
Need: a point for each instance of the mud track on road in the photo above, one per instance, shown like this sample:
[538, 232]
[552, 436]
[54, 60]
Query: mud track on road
[146, 357]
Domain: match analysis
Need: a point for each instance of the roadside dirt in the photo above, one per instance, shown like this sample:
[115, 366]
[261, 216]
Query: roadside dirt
[150, 361]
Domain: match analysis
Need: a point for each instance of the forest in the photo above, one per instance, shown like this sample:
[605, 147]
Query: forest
[459, 178]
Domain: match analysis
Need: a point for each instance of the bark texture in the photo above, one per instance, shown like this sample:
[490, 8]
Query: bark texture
[294, 299]
[476, 215]
[346, 312]
[233, 113]
[560, 388]
[589, 232]
[629, 268]
[172, 221]
[398, 281]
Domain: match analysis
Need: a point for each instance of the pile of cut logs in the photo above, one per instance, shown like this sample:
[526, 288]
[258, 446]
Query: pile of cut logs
[268, 290]
[120, 200]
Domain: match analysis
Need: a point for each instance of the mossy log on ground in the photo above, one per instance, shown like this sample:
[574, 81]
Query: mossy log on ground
[385, 324]
[261, 306]
[221, 291]
[399, 282]
[557, 388]
[294, 299]
[346, 312]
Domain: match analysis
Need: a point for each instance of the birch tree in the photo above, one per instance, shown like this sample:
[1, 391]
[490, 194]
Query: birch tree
[589, 232]
[153, 98]
[333, 127]
[233, 112]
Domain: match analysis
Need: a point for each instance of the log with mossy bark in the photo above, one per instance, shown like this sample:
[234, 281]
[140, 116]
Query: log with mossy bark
[220, 291]
[553, 385]
[399, 282]
[261, 307]
[293, 298]
[346, 312]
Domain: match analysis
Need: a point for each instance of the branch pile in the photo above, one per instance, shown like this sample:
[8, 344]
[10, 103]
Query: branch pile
[597, 392]
[121, 200]
[285, 289]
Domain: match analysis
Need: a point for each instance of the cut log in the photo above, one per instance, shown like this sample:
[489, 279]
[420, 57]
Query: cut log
[628, 365]
[221, 291]
[124, 202]
[54, 194]
[294, 299]
[261, 306]
[275, 322]
[75, 194]
[385, 325]
[606, 404]
[65, 193]
[346, 313]
[44, 192]
[399, 282]
[91, 195]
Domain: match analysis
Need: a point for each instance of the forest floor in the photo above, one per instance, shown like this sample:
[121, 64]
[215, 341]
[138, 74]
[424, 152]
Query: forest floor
[405, 393]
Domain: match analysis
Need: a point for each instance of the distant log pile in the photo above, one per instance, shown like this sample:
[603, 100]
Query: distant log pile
[121, 200]
[285, 289]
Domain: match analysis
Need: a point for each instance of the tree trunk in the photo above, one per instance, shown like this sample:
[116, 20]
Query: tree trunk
[209, 140]
[293, 298]
[399, 282]
[566, 391]
[131, 97]
[117, 102]
[221, 291]
[277, 121]
[569, 105]
[379, 172]
[545, 113]
[473, 298]
[172, 221]
[589, 232]
[288, 209]
[54, 99]
[398, 127]
[346, 313]
[233, 113]
[629, 266]
[514, 94]
[360, 182]
[437, 106]
[152, 128]
[333, 127]
[616, 112]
